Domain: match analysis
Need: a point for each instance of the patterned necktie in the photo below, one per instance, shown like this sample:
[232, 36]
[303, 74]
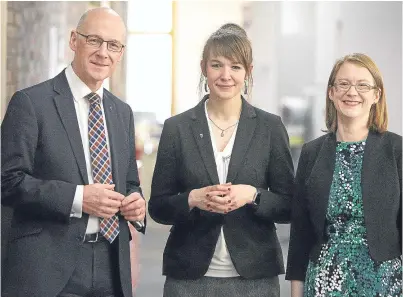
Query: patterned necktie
[100, 162]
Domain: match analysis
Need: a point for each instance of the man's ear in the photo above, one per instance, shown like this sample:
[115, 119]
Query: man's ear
[73, 40]
[121, 55]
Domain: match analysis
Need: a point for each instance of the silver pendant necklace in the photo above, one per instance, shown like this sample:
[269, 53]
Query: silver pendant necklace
[222, 130]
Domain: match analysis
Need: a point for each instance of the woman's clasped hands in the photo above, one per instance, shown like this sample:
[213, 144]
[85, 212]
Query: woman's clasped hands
[221, 198]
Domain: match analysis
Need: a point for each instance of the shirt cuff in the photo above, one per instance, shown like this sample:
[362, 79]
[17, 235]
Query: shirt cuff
[77, 208]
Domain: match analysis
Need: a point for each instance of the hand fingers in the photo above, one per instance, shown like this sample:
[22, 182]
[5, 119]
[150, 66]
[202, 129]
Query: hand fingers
[219, 200]
[136, 204]
[134, 215]
[108, 212]
[114, 195]
[232, 201]
[220, 188]
[132, 197]
[218, 208]
[110, 203]
[127, 200]
[132, 212]
[226, 185]
[217, 193]
[106, 186]
[222, 204]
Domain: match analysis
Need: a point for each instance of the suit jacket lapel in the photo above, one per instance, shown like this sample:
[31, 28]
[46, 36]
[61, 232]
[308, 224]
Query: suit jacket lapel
[244, 134]
[202, 137]
[370, 178]
[321, 177]
[66, 110]
[113, 124]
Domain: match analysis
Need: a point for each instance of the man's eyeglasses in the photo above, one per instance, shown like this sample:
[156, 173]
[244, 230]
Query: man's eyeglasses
[96, 41]
[360, 87]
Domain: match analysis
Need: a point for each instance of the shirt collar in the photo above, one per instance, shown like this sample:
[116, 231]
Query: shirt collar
[78, 88]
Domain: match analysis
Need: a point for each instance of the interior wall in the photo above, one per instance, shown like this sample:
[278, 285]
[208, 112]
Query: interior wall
[191, 32]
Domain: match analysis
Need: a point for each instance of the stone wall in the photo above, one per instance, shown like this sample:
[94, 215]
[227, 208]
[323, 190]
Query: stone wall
[37, 40]
[37, 49]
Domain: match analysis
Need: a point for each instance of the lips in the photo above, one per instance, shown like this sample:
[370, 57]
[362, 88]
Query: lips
[351, 103]
[99, 64]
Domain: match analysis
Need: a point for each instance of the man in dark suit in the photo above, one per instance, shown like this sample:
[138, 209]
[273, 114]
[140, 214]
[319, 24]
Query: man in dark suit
[69, 172]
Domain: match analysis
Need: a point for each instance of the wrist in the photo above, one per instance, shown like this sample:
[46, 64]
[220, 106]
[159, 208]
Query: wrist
[253, 196]
[191, 199]
[256, 199]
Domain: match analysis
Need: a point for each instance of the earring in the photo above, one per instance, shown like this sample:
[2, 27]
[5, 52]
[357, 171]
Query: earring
[246, 88]
[205, 86]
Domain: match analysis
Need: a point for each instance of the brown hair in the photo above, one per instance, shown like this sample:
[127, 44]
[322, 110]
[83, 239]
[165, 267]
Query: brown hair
[231, 42]
[378, 115]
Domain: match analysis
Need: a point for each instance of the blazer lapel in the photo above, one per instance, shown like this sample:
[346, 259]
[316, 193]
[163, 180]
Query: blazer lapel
[67, 112]
[244, 134]
[320, 180]
[370, 178]
[113, 124]
[202, 137]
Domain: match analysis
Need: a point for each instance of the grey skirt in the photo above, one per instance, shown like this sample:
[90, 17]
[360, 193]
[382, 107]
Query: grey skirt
[222, 287]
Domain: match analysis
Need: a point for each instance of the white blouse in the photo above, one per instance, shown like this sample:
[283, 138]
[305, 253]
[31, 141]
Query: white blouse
[221, 264]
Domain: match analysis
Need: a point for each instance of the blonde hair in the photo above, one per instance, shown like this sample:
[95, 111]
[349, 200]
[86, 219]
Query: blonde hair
[378, 115]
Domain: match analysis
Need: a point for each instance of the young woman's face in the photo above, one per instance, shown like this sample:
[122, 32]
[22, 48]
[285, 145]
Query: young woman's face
[225, 78]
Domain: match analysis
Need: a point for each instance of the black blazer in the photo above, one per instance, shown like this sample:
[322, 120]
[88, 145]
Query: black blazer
[260, 157]
[381, 184]
[42, 160]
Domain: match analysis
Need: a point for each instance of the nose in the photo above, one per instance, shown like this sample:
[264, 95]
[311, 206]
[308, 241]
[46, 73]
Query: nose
[103, 50]
[225, 74]
[352, 91]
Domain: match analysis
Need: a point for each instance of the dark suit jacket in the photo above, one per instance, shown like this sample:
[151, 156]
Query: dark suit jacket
[43, 161]
[185, 161]
[381, 183]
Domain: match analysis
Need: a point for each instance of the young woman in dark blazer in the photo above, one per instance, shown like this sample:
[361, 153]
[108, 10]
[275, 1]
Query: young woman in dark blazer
[346, 217]
[223, 177]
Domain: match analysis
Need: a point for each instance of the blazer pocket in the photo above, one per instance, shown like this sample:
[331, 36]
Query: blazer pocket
[24, 230]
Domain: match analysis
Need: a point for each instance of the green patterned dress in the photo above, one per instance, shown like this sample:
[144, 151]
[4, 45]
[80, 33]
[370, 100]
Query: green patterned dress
[344, 267]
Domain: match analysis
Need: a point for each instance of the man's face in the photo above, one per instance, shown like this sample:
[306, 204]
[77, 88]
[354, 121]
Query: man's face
[91, 63]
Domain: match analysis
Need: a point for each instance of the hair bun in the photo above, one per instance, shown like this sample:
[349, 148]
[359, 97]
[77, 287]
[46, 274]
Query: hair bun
[233, 28]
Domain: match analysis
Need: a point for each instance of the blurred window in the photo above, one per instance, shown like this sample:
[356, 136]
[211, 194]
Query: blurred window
[149, 53]
[289, 18]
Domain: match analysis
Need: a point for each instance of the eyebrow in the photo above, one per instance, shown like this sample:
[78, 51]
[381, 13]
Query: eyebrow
[113, 40]
[360, 80]
[217, 61]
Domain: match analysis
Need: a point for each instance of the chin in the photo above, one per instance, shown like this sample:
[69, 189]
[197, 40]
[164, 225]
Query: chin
[352, 115]
[225, 95]
[99, 76]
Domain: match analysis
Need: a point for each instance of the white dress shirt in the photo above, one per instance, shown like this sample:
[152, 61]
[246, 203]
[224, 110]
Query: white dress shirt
[79, 90]
[221, 264]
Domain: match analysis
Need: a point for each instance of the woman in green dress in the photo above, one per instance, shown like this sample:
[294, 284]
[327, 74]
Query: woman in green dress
[346, 218]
